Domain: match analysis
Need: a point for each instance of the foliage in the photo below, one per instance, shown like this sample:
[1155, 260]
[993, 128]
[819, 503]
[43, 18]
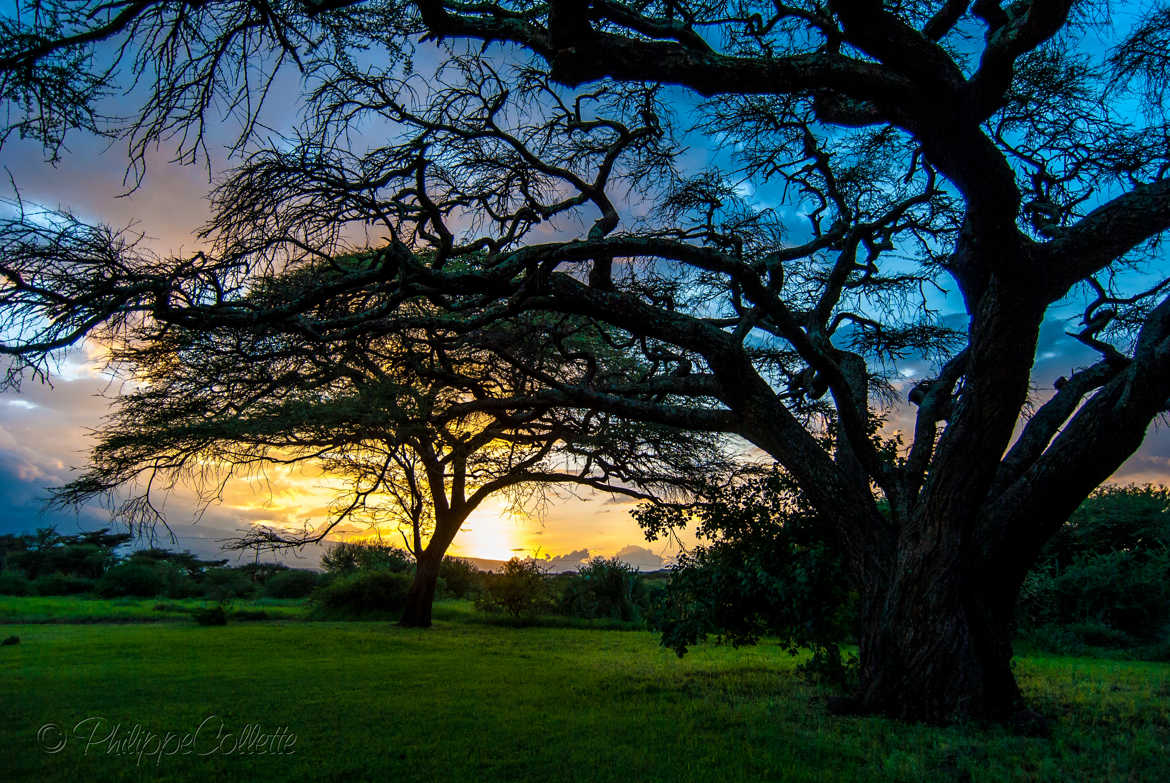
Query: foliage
[86, 555]
[766, 568]
[520, 590]
[14, 583]
[363, 592]
[605, 588]
[212, 615]
[461, 579]
[1104, 578]
[291, 583]
[132, 579]
[346, 557]
[261, 572]
[62, 584]
[220, 584]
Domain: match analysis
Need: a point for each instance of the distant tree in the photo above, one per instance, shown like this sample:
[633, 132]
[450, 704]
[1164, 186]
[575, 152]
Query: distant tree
[363, 593]
[346, 557]
[521, 589]
[47, 552]
[396, 415]
[461, 579]
[291, 583]
[606, 588]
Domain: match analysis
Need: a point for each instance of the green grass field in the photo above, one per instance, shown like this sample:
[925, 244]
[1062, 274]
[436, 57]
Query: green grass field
[73, 609]
[472, 701]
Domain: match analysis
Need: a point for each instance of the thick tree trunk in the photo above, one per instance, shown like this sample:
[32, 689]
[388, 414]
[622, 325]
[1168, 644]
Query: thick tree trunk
[421, 596]
[936, 644]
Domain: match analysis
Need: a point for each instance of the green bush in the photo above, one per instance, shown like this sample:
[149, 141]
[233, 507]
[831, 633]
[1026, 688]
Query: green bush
[521, 590]
[222, 584]
[14, 583]
[460, 578]
[132, 579]
[214, 615]
[1105, 575]
[347, 557]
[605, 589]
[291, 583]
[766, 567]
[62, 584]
[363, 593]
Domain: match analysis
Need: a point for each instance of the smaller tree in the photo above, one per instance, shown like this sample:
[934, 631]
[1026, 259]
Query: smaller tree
[87, 555]
[460, 577]
[606, 588]
[767, 567]
[521, 589]
[349, 556]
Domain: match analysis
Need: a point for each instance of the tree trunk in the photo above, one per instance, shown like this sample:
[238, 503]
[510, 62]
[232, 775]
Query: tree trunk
[936, 644]
[421, 595]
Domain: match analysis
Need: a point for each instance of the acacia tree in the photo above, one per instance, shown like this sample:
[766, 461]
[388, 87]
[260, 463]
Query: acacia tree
[980, 147]
[387, 414]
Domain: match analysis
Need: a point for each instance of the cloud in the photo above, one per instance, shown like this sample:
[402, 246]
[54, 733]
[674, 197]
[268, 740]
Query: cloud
[641, 558]
[571, 562]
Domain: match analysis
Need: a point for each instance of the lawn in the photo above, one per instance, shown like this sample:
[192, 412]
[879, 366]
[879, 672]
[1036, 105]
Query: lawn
[473, 701]
[76, 609]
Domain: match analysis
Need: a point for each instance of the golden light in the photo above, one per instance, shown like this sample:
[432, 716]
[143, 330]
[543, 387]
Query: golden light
[491, 532]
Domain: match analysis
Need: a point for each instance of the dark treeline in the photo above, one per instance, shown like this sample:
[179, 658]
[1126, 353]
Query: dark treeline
[50, 563]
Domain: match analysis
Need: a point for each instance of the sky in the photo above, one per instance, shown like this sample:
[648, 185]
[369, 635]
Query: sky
[44, 430]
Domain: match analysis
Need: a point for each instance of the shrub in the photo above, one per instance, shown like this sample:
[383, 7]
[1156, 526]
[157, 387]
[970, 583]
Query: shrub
[347, 557]
[291, 583]
[61, 584]
[363, 593]
[1105, 575]
[605, 588]
[766, 567]
[14, 583]
[221, 584]
[132, 579]
[214, 615]
[521, 590]
[460, 578]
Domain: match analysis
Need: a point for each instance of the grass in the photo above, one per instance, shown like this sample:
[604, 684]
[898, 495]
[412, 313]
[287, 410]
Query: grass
[474, 701]
[74, 609]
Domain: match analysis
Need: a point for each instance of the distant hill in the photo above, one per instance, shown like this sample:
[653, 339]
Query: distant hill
[483, 564]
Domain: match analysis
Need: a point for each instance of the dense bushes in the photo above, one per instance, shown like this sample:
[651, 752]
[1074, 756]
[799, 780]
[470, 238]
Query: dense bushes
[291, 583]
[1104, 578]
[765, 567]
[346, 558]
[62, 584]
[363, 593]
[605, 589]
[460, 579]
[14, 583]
[521, 590]
[138, 579]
